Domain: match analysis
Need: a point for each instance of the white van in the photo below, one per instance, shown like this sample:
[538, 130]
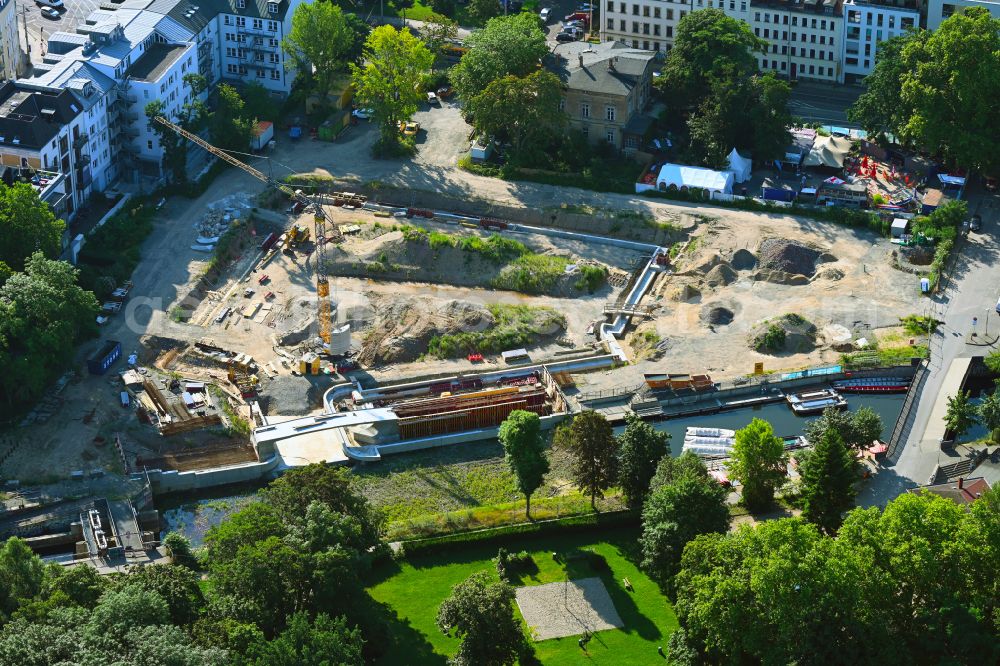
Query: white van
[998, 305]
[544, 14]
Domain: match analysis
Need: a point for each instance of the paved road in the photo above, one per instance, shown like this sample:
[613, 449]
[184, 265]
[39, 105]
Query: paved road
[971, 291]
[823, 103]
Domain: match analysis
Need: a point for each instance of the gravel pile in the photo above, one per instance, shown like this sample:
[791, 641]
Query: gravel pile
[717, 315]
[743, 260]
[289, 395]
[779, 254]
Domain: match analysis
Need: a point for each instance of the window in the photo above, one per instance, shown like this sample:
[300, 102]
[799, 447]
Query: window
[585, 108]
[611, 24]
[258, 24]
[829, 71]
[271, 41]
[784, 50]
[231, 68]
[812, 69]
[621, 25]
[145, 94]
[645, 30]
[562, 103]
[795, 20]
[610, 136]
[656, 12]
[764, 64]
[272, 8]
[621, 7]
[670, 31]
[609, 113]
[228, 20]
[743, 6]
[611, 5]
[229, 37]
[645, 44]
[892, 22]
[585, 130]
[670, 15]
[275, 75]
[756, 32]
[767, 33]
[272, 26]
[635, 10]
[260, 73]
[645, 11]
[241, 4]
[149, 145]
[656, 30]
[822, 24]
[241, 22]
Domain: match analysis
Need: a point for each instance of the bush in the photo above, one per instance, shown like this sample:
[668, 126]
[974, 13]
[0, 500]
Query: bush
[774, 338]
[508, 533]
[532, 274]
[591, 278]
[918, 325]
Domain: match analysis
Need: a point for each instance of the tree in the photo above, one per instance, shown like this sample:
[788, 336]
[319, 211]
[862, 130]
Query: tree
[258, 103]
[879, 110]
[709, 48]
[176, 586]
[641, 447]
[523, 111]
[856, 430]
[593, 447]
[42, 312]
[481, 614]
[324, 641]
[961, 414]
[27, 225]
[758, 463]
[989, 413]
[388, 81]
[180, 550]
[828, 482]
[318, 42]
[524, 450]
[230, 127]
[482, 11]
[671, 469]
[674, 515]
[21, 575]
[438, 31]
[507, 46]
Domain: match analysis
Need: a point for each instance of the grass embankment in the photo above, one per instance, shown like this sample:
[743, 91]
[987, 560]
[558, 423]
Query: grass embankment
[894, 346]
[523, 270]
[438, 491]
[415, 588]
[513, 326]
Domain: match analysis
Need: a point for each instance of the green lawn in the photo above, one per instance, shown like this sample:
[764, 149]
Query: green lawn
[414, 590]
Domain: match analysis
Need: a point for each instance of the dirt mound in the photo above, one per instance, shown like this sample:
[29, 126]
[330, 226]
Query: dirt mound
[743, 260]
[722, 275]
[716, 315]
[704, 262]
[780, 277]
[685, 293]
[918, 255]
[787, 334]
[780, 254]
[832, 274]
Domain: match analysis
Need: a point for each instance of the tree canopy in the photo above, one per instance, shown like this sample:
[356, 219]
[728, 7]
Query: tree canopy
[857, 429]
[928, 89]
[524, 450]
[319, 41]
[641, 447]
[961, 414]
[481, 613]
[594, 451]
[27, 226]
[758, 463]
[828, 478]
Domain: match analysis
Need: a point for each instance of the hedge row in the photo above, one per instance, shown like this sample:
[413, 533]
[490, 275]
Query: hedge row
[498, 536]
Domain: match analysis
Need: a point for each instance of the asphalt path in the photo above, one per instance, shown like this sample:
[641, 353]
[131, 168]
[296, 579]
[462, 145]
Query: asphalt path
[823, 103]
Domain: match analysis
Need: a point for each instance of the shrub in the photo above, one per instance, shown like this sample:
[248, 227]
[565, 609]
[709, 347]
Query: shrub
[591, 278]
[918, 325]
[773, 339]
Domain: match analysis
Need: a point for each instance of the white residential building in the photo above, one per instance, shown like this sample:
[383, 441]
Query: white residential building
[11, 56]
[866, 25]
[805, 38]
[644, 24]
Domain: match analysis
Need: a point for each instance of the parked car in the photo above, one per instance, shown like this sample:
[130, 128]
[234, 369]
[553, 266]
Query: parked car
[545, 14]
[409, 129]
[566, 37]
[50, 13]
[55, 4]
[444, 92]
[363, 114]
[976, 223]
[574, 24]
[432, 99]
[586, 7]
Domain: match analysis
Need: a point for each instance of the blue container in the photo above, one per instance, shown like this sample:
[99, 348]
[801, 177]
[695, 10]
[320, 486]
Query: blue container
[100, 362]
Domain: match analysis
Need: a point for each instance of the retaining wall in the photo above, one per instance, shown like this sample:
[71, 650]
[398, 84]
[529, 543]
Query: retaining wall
[172, 481]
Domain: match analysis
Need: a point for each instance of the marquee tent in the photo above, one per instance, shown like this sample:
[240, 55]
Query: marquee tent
[740, 166]
[690, 177]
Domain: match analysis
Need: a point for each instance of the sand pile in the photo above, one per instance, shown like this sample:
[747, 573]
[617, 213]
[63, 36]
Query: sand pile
[721, 275]
[831, 273]
[779, 254]
[685, 293]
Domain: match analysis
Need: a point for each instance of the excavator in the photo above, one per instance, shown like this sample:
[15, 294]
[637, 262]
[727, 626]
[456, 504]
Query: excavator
[309, 203]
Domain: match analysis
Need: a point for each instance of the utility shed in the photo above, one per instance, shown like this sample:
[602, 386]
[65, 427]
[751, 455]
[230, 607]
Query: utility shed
[899, 226]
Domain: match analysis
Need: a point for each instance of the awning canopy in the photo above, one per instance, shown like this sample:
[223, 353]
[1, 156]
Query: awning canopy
[828, 151]
[691, 177]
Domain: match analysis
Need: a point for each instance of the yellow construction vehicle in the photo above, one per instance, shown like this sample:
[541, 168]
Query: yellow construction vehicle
[319, 220]
[298, 234]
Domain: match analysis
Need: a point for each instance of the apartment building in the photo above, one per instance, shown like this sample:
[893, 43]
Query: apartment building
[644, 24]
[939, 10]
[805, 38]
[866, 25]
[608, 86]
[11, 57]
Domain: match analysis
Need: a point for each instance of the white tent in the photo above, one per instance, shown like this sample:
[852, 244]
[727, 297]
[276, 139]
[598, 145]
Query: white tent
[691, 177]
[740, 166]
[828, 151]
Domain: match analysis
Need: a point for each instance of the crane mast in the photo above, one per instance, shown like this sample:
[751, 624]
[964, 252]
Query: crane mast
[310, 203]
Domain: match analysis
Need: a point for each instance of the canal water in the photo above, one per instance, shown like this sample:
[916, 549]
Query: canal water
[192, 517]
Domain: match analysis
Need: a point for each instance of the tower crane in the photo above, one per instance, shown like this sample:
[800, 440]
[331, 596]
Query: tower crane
[310, 203]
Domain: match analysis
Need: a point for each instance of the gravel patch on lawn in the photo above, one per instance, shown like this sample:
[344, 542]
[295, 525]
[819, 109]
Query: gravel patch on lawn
[567, 609]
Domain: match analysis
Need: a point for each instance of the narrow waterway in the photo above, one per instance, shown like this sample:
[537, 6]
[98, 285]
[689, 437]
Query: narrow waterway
[193, 516]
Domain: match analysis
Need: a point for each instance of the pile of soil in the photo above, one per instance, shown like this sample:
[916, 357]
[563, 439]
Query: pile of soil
[780, 254]
[787, 334]
[404, 327]
[831, 273]
[685, 294]
[289, 395]
[781, 277]
[743, 260]
[720, 276]
[716, 315]
[705, 262]
[918, 255]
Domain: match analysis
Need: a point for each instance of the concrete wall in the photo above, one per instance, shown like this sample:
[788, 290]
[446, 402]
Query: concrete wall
[172, 481]
[548, 422]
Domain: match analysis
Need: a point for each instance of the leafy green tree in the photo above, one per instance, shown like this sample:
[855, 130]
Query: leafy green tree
[961, 414]
[522, 111]
[27, 225]
[979, 555]
[671, 469]
[324, 641]
[524, 450]
[480, 612]
[709, 48]
[318, 42]
[42, 312]
[258, 103]
[176, 586]
[594, 450]
[180, 550]
[856, 430]
[482, 11]
[879, 109]
[79, 586]
[230, 126]
[828, 482]
[21, 575]
[438, 31]
[641, 447]
[989, 413]
[759, 463]
[388, 82]
[507, 46]
[675, 514]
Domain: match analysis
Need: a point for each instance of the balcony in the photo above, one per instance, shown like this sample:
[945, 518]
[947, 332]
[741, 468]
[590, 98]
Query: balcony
[80, 141]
